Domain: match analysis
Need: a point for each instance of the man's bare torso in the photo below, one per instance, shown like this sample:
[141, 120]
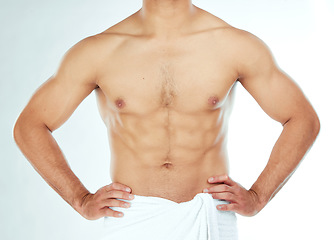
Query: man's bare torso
[166, 104]
[164, 80]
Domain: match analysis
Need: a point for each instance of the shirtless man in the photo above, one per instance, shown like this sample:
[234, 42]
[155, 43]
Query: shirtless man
[164, 81]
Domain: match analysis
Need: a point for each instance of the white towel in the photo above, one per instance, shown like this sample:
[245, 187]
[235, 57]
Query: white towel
[155, 218]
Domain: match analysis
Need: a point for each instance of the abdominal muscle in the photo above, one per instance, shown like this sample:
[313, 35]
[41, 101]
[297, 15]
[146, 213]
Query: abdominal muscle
[171, 161]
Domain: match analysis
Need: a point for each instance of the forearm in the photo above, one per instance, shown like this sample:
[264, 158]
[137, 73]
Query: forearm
[40, 148]
[296, 138]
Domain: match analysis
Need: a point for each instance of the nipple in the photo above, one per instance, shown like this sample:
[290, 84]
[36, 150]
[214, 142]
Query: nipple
[120, 103]
[213, 100]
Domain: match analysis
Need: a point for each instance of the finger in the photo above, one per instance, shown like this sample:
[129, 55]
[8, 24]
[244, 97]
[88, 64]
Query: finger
[219, 188]
[221, 179]
[230, 197]
[117, 186]
[116, 203]
[107, 212]
[118, 194]
[228, 207]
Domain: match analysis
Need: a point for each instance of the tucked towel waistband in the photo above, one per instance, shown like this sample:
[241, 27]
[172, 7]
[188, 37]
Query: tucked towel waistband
[162, 219]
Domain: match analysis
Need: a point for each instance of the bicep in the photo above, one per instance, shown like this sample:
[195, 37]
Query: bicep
[54, 102]
[277, 94]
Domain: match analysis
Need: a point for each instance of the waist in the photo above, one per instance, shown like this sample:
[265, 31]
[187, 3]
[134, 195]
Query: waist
[178, 181]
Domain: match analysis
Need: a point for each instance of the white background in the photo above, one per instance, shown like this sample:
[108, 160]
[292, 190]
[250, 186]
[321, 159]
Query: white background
[34, 36]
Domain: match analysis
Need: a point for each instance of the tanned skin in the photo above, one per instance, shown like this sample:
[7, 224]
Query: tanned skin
[164, 81]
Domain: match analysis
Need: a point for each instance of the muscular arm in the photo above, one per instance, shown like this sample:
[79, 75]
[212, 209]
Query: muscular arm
[283, 101]
[47, 110]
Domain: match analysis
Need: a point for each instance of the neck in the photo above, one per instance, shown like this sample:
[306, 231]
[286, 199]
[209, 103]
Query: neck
[166, 17]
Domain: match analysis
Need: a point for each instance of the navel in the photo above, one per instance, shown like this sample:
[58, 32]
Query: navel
[213, 101]
[120, 103]
[167, 165]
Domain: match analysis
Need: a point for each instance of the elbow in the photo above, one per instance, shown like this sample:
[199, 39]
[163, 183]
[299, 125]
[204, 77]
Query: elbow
[315, 123]
[309, 124]
[17, 131]
[312, 123]
[25, 128]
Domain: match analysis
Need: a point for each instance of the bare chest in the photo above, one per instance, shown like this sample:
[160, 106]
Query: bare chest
[186, 77]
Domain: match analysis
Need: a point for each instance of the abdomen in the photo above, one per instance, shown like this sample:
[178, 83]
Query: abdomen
[168, 154]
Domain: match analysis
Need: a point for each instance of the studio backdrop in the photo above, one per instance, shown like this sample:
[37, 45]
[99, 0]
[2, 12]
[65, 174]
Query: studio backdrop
[36, 34]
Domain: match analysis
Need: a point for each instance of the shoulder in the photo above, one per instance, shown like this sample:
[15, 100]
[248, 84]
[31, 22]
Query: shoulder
[251, 56]
[92, 50]
[248, 51]
[244, 50]
[250, 45]
[242, 42]
[84, 58]
[95, 46]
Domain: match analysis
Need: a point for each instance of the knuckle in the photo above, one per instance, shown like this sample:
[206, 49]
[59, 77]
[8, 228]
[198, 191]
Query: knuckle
[98, 195]
[108, 212]
[221, 196]
[125, 204]
[125, 195]
[113, 193]
[118, 203]
[117, 214]
[113, 203]
[222, 207]
[111, 213]
[233, 207]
